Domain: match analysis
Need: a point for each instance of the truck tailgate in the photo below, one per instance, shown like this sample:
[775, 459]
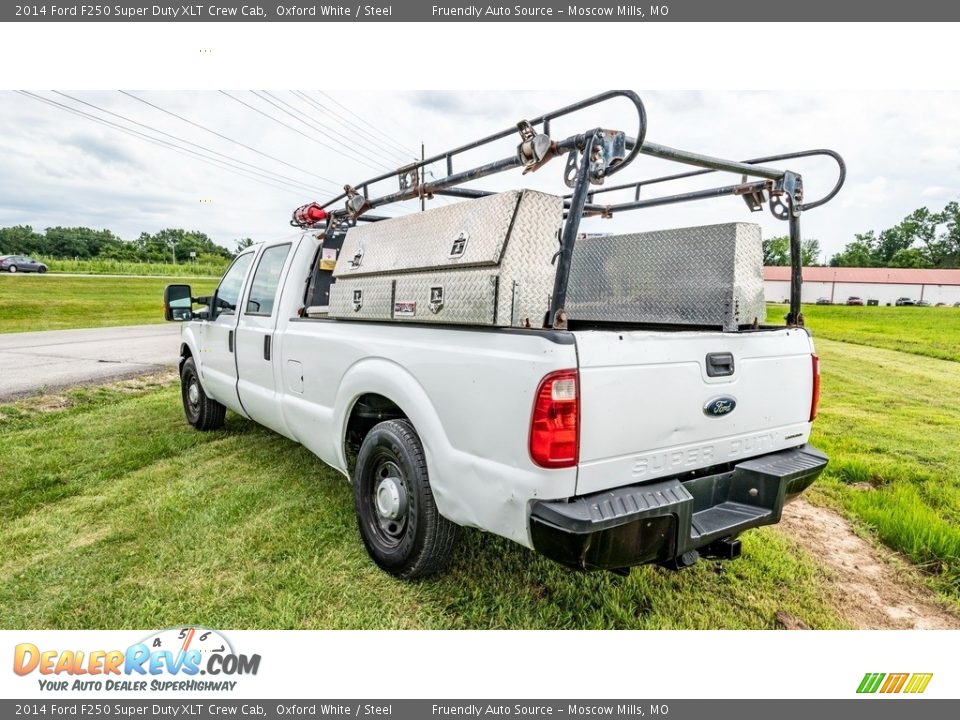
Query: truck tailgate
[649, 408]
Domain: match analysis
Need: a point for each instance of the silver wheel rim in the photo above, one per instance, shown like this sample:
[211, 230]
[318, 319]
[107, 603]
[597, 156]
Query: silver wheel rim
[390, 502]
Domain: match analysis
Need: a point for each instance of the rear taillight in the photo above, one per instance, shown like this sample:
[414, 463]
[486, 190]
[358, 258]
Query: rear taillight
[815, 399]
[555, 425]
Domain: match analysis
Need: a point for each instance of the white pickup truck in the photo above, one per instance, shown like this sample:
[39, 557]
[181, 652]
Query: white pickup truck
[600, 444]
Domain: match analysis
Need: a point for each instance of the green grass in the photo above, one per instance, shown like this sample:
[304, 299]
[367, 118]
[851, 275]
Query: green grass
[891, 424]
[48, 302]
[930, 331]
[122, 267]
[135, 520]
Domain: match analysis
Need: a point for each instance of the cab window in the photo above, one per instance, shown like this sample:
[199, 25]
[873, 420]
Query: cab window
[266, 280]
[228, 293]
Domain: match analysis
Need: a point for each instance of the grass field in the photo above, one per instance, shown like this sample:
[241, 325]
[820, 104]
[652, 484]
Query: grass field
[241, 528]
[121, 267]
[929, 331]
[891, 425]
[48, 302]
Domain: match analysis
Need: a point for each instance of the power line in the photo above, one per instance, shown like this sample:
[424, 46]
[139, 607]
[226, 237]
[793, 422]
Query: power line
[162, 143]
[310, 125]
[290, 127]
[371, 126]
[262, 171]
[229, 139]
[402, 153]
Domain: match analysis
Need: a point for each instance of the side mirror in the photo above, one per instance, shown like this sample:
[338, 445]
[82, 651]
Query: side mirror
[177, 303]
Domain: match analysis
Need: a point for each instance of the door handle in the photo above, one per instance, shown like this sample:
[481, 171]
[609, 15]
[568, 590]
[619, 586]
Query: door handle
[266, 347]
[719, 364]
[230, 341]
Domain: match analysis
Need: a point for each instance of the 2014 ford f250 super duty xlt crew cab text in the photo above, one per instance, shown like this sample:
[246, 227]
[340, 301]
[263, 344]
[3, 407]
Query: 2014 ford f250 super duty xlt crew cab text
[606, 400]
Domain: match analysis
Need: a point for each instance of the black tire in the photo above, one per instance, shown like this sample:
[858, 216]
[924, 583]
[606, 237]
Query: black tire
[12, 268]
[417, 541]
[202, 412]
[42, 269]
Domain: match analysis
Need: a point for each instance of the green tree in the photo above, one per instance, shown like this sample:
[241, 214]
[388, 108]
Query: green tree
[910, 258]
[860, 253]
[243, 244]
[776, 251]
[21, 239]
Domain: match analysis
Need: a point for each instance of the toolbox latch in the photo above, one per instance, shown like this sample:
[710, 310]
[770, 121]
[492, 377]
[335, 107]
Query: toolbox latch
[459, 245]
[436, 299]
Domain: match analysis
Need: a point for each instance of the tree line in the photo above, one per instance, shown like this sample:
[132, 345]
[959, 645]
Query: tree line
[923, 239]
[87, 244]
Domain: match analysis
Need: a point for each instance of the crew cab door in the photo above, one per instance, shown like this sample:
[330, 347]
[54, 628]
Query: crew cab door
[218, 365]
[257, 375]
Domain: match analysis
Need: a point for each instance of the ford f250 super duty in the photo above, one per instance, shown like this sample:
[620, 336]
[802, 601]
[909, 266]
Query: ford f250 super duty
[607, 401]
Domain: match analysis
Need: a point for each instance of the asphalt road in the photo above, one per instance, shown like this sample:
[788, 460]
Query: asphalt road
[54, 359]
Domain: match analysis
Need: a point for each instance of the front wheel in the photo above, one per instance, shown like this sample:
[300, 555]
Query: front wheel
[203, 412]
[398, 518]
[13, 268]
[42, 269]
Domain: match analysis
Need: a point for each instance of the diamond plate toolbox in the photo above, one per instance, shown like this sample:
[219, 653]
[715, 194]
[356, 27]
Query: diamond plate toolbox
[705, 276]
[480, 262]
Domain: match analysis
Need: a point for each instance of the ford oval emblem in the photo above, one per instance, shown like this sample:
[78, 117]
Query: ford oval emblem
[718, 407]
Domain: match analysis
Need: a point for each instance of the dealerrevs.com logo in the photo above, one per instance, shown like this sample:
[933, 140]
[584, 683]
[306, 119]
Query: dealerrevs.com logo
[180, 659]
[910, 683]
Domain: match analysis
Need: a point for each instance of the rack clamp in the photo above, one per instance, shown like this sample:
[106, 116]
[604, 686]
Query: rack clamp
[535, 149]
[786, 196]
[409, 177]
[752, 195]
[609, 150]
[356, 203]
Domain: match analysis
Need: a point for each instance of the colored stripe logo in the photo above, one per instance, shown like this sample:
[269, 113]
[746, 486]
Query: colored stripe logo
[913, 683]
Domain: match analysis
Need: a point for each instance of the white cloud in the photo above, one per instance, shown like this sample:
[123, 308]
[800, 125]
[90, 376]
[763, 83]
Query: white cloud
[902, 150]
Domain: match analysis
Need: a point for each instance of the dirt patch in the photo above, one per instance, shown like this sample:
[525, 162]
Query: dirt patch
[873, 588]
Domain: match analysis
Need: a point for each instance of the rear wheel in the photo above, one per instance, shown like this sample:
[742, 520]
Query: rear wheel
[398, 518]
[203, 412]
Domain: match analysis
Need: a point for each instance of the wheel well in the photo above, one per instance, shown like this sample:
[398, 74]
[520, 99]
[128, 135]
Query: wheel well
[367, 411]
[184, 354]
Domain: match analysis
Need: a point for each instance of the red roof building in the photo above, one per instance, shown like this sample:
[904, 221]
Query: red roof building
[885, 285]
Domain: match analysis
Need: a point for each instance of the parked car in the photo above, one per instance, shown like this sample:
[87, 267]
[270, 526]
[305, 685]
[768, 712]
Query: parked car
[824, 301]
[923, 303]
[21, 263]
[904, 301]
[854, 300]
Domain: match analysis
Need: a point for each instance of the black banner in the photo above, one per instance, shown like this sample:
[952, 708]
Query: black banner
[201, 709]
[527, 11]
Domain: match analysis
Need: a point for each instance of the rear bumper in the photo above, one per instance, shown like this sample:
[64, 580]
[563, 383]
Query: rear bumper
[663, 521]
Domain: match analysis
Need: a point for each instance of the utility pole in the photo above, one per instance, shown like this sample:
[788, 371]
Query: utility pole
[423, 178]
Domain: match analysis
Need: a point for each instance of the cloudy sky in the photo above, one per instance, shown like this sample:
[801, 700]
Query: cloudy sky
[63, 168]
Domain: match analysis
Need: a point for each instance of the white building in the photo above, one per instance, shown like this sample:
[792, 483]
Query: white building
[882, 284]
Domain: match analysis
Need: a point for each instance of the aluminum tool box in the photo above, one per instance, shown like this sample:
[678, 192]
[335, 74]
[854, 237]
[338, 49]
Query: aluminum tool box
[487, 261]
[709, 276]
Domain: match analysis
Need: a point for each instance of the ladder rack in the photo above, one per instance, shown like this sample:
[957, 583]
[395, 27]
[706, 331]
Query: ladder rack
[592, 157]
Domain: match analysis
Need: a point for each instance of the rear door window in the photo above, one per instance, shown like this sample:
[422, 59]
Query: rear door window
[266, 280]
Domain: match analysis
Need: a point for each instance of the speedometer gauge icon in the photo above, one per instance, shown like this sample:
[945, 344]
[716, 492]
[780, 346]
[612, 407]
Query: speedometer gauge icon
[182, 639]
